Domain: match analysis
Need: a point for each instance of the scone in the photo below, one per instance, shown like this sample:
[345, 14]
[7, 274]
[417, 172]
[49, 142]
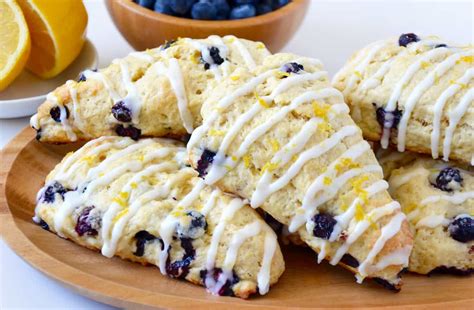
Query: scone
[415, 93]
[282, 137]
[438, 199]
[154, 93]
[142, 202]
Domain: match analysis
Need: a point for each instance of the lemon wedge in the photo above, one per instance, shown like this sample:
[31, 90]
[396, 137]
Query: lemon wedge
[57, 30]
[14, 42]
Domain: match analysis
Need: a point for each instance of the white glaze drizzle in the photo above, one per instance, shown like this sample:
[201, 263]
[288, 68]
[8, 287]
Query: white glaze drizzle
[419, 90]
[432, 221]
[89, 74]
[175, 77]
[398, 257]
[456, 198]
[244, 52]
[455, 116]
[132, 99]
[398, 180]
[439, 106]
[75, 112]
[404, 80]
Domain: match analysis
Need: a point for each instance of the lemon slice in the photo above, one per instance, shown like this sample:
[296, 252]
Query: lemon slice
[14, 42]
[57, 30]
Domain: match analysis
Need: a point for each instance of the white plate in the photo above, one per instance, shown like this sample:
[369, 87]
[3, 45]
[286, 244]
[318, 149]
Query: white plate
[28, 91]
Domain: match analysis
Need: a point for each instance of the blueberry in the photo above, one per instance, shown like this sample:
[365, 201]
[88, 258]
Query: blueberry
[121, 112]
[440, 45]
[43, 224]
[38, 134]
[203, 163]
[462, 228]
[142, 237]
[242, 11]
[324, 225]
[240, 2]
[263, 8]
[448, 179]
[82, 76]
[49, 194]
[180, 269]
[222, 8]
[56, 113]
[163, 7]
[388, 120]
[192, 226]
[88, 222]
[350, 260]
[215, 55]
[279, 3]
[146, 3]
[226, 289]
[129, 131]
[204, 10]
[181, 7]
[407, 38]
[292, 67]
[167, 44]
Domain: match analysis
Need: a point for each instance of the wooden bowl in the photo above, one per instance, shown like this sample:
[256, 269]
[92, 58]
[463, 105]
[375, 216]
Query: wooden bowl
[144, 28]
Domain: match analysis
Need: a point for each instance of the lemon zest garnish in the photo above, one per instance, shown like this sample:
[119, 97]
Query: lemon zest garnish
[372, 223]
[452, 82]
[358, 74]
[327, 181]
[141, 157]
[234, 158]
[357, 183]
[101, 174]
[228, 167]
[119, 215]
[281, 74]
[468, 59]
[177, 213]
[324, 127]
[215, 132]
[425, 64]
[133, 185]
[262, 101]
[150, 179]
[195, 57]
[275, 145]
[321, 109]
[230, 39]
[247, 159]
[270, 166]
[89, 159]
[260, 45]
[235, 77]
[359, 212]
[344, 207]
[346, 163]
[410, 207]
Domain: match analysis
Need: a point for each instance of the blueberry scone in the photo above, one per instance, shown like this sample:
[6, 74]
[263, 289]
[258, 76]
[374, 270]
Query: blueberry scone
[415, 93]
[142, 202]
[154, 93]
[281, 137]
[438, 199]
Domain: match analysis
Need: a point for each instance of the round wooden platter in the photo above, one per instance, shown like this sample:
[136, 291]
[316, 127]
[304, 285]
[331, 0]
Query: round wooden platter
[24, 166]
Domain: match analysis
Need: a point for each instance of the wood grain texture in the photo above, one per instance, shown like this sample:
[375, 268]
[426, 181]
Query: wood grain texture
[24, 165]
[144, 28]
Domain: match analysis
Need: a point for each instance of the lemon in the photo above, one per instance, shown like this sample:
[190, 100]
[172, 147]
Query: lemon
[57, 30]
[14, 42]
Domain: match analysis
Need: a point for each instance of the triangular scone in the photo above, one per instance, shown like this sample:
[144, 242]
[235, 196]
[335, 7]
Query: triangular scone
[281, 137]
[438, 199]
[142, 202]
[415, 93]
[154, 93]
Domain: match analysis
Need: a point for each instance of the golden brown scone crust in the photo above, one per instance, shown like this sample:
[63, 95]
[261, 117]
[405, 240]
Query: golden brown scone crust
[147, 189]
[242, 165]
[149, 84]
[436, 98]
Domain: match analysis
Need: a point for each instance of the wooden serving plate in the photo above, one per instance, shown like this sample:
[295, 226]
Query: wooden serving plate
[26, 162]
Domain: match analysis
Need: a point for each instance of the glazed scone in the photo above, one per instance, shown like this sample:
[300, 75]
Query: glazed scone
[141, 201]
[438, 199]
[415, 93]
[281, 137]
[154, 93]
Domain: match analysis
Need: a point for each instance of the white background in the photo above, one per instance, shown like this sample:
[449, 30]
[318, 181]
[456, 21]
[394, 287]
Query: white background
[332, 30]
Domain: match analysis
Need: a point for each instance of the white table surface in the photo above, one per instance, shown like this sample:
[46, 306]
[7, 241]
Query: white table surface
[332, 30]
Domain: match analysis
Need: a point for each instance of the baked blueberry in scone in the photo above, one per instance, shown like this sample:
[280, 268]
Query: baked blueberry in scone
[154, 93]
[415, 93]
[438, 199]
[142, 201]
[282, 137]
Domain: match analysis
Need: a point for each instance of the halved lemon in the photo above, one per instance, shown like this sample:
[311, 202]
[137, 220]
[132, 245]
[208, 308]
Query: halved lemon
[14, 42]
[57, 30]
